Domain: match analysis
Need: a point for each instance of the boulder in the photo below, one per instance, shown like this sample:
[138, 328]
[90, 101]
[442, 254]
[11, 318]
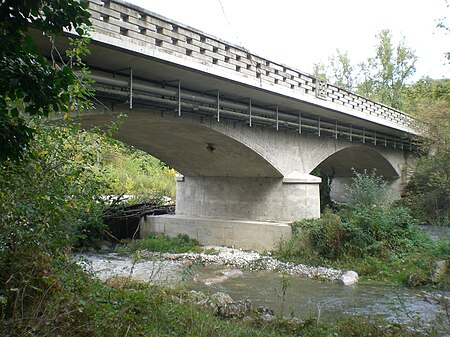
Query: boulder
[265, 313]
[348, 278]
[440, 268]
[215, 301]
[416, 278]
[237, 309]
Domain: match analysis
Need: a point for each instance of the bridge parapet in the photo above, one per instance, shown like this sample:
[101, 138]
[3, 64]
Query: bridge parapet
[119, 19]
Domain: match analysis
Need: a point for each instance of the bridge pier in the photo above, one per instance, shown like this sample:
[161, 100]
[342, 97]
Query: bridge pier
[215, 210]
[261, 199]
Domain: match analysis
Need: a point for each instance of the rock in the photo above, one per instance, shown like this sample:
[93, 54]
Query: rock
[416, 279]
[440, 268]
[222, 275]
[105, 245]
[214, 301]
[348, 278]
[236, 309]
[265, 313]
[220, 298]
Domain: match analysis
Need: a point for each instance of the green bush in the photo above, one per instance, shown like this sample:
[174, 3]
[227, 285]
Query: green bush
[50, 198]
[369, 234]
[368, 190]
[328, 235]
[428, 191]
[378, 231]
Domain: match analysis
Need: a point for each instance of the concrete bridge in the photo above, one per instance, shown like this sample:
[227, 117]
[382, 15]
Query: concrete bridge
[245, 133]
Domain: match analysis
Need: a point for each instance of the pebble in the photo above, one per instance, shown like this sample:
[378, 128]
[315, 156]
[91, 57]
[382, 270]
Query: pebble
[249, 260]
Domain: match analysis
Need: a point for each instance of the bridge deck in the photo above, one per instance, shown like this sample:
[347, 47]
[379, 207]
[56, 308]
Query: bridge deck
[121, 25]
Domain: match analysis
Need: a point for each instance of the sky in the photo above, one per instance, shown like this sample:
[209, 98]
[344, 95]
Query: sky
[300, 33]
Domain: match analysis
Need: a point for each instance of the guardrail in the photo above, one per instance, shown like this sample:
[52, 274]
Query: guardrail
[136, 25]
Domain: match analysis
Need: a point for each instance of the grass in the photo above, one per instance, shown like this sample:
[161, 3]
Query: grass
[162, 244]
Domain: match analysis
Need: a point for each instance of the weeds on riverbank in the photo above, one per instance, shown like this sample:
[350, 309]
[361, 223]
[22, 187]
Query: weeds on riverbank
[162, 244]
[73, 303]
[378, 240]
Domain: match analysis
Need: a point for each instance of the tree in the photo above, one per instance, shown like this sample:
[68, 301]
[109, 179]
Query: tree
[342, 70]
[49, 185]
[386, 75]
[427, 193]
[320, 70]
[30, 85]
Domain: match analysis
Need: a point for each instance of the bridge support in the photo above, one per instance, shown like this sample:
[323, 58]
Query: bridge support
[215, 210]
[261, 199]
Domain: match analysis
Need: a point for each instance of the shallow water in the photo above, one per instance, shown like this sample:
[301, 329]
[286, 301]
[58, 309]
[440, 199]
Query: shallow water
[325, 300]
[304, 297]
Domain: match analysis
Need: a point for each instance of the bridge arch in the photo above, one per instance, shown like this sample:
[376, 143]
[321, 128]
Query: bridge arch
[191, 147]
[340, 166]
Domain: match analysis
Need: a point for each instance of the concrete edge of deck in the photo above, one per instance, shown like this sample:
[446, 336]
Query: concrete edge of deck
[244, 234]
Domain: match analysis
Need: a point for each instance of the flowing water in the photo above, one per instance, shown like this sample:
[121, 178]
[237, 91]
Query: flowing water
[303, 297]
[325, 300]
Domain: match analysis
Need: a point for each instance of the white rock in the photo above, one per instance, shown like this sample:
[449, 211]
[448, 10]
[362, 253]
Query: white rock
[348, 278]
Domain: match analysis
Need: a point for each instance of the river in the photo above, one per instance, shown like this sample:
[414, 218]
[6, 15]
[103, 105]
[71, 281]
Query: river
[303, 297]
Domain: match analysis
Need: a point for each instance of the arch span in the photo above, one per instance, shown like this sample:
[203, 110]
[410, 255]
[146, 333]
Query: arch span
[359, 158]
[340, 166]
[189, 146]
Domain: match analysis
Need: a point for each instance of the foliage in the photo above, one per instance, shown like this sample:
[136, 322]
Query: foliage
[427, 193]
[391, 68]
[343, 70]
[75, 304]
[134, 172]
[49, 199]
[320, 70]
[368, 189]
[161, 243]
[30, 85]
[327, 235]
[382, 77]
[381, 244]
[375, 238]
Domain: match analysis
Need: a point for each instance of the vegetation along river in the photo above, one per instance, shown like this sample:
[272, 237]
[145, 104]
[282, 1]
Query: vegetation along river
[296, 295]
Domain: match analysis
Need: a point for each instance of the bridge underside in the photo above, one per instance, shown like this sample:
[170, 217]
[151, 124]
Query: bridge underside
[222, 177]
[237, 178]
[341, 166]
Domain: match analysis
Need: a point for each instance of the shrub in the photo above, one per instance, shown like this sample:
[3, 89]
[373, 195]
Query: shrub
[328, 235]
[428, 191]
[376, 231]
[368, 190]
[50, 197]
[134, 172]
[364, 232]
